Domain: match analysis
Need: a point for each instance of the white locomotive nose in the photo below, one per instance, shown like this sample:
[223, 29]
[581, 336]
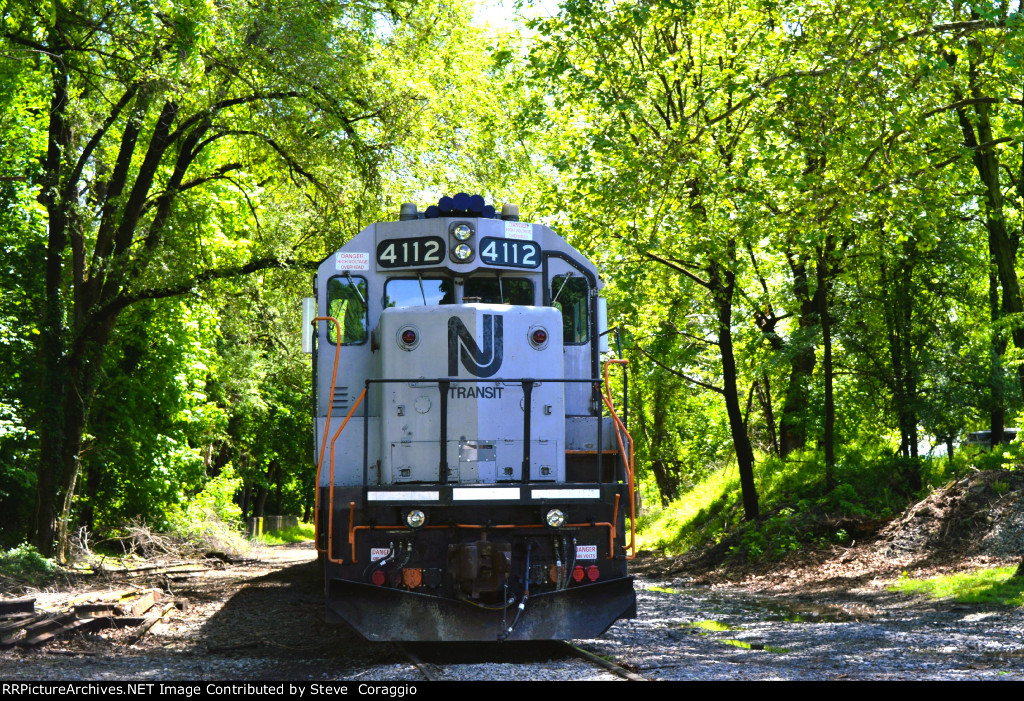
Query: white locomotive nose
[443, 512]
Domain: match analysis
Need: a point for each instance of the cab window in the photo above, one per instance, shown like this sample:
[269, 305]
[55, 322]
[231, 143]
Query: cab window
[493, 290]
[570, 295]
[418, 292]
[346, 302]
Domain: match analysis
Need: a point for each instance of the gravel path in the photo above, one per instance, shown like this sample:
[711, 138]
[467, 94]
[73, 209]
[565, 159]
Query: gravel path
[688, 633]
[262, 622]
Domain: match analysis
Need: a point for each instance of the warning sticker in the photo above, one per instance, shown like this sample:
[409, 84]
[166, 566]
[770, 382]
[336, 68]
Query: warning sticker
[380, 553]
[586, 552]
[519, 230]
[352, 261]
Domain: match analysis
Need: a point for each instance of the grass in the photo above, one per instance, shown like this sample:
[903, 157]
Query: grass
[295, 534]
[710, 626]
[683, 524]
[715, 626]
[664, 590]
[747, 646]
[993, 586]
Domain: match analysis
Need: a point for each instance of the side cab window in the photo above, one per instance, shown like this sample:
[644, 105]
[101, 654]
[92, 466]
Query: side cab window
[346, 302]
[570, 294]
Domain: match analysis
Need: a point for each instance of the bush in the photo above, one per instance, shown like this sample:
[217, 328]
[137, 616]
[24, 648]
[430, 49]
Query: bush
[24, 565]
[210, 521]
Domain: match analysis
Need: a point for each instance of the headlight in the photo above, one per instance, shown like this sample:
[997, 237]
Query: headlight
[462, 232]
[555, 518]
[415, 518]
[463, 252]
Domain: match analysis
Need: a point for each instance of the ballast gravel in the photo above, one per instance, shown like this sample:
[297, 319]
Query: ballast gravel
[265, 625]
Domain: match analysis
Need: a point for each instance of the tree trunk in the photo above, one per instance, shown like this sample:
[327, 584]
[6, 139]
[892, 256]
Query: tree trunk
[723, 285]
[828, 439]
[792, 425]
[764, 398]
[665, 477]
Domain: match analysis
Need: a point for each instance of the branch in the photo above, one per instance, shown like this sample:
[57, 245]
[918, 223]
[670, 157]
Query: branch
[118, 304]
[223, 104]
[101, 132]
[678, 268]
[217, 175]
[675, 372]
[292, 163]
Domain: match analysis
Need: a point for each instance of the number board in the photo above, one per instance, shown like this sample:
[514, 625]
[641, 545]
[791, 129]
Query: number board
[510, 252]
[407, 253]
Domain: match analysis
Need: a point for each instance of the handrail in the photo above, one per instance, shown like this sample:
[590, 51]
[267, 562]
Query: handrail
[627, 461]
[327, 428]
[330, 498]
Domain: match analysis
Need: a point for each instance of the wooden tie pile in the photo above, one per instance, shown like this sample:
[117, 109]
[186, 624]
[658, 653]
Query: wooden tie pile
[22, 625]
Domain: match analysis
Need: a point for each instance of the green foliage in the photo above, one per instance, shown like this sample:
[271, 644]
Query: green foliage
[991, 586]
[296, 534]
[210, 519]
[24, 565]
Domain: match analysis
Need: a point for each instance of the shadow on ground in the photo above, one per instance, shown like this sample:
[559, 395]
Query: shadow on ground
[280, 617]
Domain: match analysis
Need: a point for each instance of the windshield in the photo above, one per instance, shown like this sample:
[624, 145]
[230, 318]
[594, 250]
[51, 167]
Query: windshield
[494, 290]
[418, 292]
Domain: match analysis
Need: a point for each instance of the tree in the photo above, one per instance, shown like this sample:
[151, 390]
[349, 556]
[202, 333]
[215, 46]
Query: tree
[160, 123]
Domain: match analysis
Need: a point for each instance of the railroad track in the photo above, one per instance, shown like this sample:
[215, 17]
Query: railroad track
[428, 670]
[600, 661]
[434, 672]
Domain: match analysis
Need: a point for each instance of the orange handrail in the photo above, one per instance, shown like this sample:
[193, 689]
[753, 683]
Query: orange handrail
[626, 459]
[327, 428]
[330, 516]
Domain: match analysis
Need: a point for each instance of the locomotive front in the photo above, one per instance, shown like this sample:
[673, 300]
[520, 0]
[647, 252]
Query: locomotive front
[474, 476]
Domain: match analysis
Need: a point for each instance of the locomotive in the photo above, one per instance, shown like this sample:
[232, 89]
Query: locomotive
[474, 474]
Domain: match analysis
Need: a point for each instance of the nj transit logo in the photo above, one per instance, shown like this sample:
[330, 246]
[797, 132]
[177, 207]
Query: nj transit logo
[481, 362]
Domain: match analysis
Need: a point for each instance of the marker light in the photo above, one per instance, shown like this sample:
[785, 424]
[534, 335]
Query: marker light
[538, 337]
[555, 518]
[462, 232]
[463, 252]
[408, 337]
[415, 518]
